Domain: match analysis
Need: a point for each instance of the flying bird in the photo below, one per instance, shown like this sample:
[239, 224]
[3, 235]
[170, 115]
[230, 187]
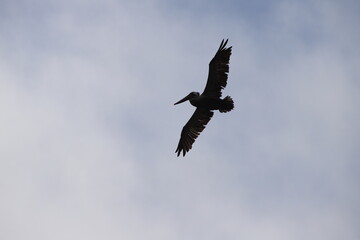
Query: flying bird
[208, 101]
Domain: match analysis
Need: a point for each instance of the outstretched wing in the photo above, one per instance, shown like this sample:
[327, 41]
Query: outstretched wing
[218, 69]
[192, 129]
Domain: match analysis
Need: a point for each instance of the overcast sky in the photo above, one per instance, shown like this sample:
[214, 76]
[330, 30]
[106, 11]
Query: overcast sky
[88, 129]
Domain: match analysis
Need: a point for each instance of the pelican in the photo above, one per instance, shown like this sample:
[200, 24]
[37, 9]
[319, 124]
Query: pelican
[208, 101]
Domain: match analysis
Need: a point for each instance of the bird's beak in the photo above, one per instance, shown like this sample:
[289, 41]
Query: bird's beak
[183, 100]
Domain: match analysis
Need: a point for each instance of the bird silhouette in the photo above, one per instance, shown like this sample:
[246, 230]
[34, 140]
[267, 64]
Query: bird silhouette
[208, 101]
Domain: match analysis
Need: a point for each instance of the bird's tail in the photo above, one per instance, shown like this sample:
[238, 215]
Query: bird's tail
[227, 104]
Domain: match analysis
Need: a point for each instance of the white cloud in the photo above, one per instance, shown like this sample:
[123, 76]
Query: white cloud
[88, 127]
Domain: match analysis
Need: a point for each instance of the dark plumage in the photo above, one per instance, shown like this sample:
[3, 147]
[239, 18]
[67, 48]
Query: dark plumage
[208, 101]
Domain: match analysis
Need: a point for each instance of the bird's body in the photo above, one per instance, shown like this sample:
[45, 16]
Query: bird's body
[208, 101]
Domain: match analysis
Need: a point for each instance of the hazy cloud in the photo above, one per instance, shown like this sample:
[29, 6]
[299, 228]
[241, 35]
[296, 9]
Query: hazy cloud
[88, 127]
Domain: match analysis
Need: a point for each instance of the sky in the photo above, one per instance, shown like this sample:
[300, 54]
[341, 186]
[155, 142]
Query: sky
[88, 129]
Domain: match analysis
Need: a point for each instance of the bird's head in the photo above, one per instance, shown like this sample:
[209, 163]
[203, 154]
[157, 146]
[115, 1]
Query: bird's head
[188, 97]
